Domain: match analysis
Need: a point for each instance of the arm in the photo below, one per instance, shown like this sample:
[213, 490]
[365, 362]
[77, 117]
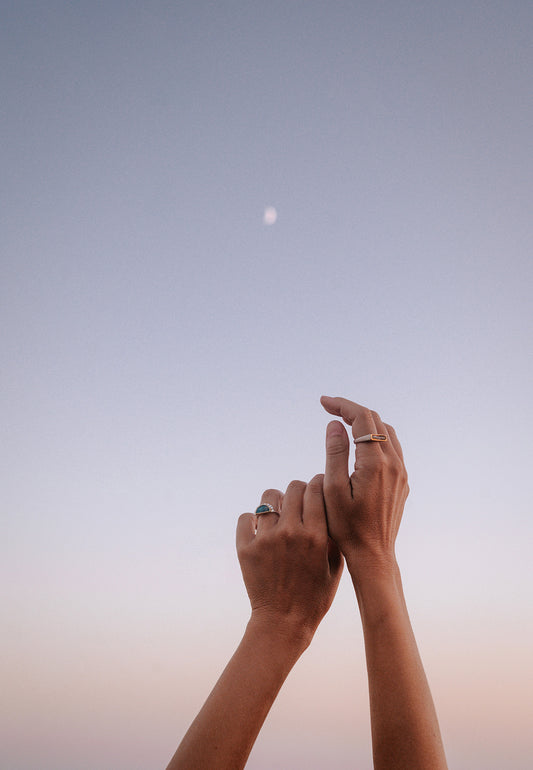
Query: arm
[364, 511]
[223, 733]
[291, 570]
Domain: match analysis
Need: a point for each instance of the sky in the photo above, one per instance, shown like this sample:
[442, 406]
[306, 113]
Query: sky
[164, 348]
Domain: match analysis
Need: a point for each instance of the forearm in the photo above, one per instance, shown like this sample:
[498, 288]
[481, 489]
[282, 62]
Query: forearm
[222, 735]
[405, 730]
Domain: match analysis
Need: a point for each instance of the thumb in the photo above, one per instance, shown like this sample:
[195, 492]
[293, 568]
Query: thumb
[337, 454]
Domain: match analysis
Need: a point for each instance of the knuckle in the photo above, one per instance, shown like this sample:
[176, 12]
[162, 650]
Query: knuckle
[397, 470]
[288, 535]
[367, 413]
[297, 486]
[262, 544]
[270, 493]
[313, 538]
[317, 483]
[264, 547]
[394, 467]
[300, 538]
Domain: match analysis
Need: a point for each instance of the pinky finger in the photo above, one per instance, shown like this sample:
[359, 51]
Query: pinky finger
[245, 530]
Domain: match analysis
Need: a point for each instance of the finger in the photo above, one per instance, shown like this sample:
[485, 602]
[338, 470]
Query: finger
[266, 521]
[337, 454]
[314, 510]
[381, 427]
[359, 417]
[274, 497]
[394, 440]
[363, 422]
[292, 508]
[245, 530]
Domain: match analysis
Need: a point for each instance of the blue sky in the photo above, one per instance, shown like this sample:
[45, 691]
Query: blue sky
[165, 351]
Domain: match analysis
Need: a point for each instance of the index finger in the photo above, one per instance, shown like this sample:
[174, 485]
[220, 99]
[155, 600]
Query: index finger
[359, 417]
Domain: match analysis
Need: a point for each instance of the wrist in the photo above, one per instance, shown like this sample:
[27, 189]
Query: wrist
[288, 634]
[367, 565]
[378, 587]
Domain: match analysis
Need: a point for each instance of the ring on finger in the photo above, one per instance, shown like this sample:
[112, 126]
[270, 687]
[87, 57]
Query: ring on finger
[370, 437]
[265, 508]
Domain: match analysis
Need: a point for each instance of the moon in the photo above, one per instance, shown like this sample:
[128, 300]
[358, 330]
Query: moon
[270, 215]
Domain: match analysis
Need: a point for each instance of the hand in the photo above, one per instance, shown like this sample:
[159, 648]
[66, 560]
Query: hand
[291, 570]
[290, 566]
[364, 509]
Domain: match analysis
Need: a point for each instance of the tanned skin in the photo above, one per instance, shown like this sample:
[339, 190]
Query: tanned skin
[291, 563]
[364, 511]
[291, 569]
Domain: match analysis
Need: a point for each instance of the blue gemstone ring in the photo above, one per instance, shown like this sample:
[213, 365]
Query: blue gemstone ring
[265, 508]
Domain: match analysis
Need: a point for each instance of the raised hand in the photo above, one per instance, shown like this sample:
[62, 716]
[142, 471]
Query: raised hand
[290, 567]
[364, 508]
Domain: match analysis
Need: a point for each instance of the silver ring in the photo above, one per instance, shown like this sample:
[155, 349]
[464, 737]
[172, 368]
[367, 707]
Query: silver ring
[265, 508]
[370, 437]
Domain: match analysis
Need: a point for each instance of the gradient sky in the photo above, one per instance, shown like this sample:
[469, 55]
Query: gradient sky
[164, 352]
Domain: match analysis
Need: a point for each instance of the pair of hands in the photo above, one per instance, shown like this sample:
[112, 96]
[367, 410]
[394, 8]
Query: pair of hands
[292, 561]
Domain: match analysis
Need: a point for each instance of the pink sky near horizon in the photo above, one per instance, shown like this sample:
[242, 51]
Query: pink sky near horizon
[78, 697]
